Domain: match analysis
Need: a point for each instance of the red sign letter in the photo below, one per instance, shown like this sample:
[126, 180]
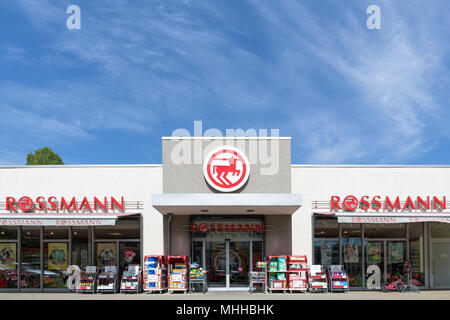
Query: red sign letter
[102, 205]
[10, 204]
[114, 201]
[442, 204]
[71, 204]
[335, 203]
[396, 203]
[85, 203]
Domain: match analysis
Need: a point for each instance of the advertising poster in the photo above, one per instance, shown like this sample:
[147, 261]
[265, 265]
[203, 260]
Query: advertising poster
[57, 256]
[351, 253]
[8, 256]
[106, 254]
[396, 252]
[374, 252]
[325, 252]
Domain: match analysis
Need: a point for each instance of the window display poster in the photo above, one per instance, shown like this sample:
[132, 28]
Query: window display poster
[351, 253]
[57, 256]
[374, 252]
[325, 252]
[395, 252]
[8, 256]
[106, 254]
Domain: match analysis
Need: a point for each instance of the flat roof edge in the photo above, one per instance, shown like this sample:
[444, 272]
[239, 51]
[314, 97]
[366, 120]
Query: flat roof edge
[225, 138]
[160, 165]
[72, 166]
[368, 166]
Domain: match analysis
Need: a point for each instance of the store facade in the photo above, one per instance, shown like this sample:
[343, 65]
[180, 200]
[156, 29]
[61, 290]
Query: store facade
[226, 203]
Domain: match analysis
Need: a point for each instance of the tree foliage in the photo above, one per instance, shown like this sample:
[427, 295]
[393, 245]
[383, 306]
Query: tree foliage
[43, 156]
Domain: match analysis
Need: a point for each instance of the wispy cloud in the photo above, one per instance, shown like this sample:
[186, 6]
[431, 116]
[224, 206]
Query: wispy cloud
[390, 76]
[344, 93]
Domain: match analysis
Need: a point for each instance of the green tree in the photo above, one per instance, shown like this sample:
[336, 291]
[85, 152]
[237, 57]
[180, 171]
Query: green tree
[43, 156]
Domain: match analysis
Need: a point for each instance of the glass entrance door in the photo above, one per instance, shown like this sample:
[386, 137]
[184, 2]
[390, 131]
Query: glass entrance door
[227, 262]
[440, 271]
[216, 263]
[239, 263]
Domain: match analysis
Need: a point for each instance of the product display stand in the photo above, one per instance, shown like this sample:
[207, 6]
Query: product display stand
[107, 280]
[197, 276]
[258, 277]
[131, 279]
[338, 278]
[298, 273]
[178, 273]
[317, 278]
[155, 274]
[277, 273]
[87, 280]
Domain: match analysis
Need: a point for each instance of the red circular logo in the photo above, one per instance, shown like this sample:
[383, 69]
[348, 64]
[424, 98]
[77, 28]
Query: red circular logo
[226, 169]
[25, 204]
[350, 203]
[203, 227]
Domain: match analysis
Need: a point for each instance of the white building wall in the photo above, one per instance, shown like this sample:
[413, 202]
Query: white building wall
[133, 182]
[321, 182]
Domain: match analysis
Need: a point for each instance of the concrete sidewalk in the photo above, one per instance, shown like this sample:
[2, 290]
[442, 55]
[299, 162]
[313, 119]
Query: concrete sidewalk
[354, 295]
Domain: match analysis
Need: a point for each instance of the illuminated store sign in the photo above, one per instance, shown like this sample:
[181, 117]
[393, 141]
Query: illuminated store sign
[226, 169]
[377, 203]
[54, 204]
[226, 227]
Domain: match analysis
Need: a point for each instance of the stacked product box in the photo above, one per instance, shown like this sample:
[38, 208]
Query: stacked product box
[177, 278]
[318, 278]
[338, 278]
[277, 272]
[298, 280]
[155, 273]
[107, 279]
[298, 273]
[258, 277]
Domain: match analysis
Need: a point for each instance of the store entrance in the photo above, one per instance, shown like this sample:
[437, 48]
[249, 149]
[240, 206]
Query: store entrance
[228, 249]
[227, 262]
[389, 256]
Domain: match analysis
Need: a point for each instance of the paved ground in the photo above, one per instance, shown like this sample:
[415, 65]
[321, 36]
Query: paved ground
[424, 295]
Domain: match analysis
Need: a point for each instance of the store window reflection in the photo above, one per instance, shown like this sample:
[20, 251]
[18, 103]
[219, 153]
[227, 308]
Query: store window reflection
[8, 258]
[56, 259]
[351, 253]
[257, 253]
[197, 252]
[417, 253]
[129, 254]
[326, 241]
[81, 242]
[31, 258]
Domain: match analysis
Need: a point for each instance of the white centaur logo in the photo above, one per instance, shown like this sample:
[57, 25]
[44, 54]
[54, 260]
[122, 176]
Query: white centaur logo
[226, 169]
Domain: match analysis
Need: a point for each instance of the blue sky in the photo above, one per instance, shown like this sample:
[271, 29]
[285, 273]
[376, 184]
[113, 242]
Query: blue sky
[137, 70]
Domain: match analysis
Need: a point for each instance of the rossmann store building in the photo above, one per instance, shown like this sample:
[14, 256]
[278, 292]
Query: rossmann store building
[226, 203]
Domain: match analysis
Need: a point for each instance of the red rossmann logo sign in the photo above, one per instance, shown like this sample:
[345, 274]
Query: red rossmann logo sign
[351, 203]
[226, 169]
[54, 204]
[226, 227]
